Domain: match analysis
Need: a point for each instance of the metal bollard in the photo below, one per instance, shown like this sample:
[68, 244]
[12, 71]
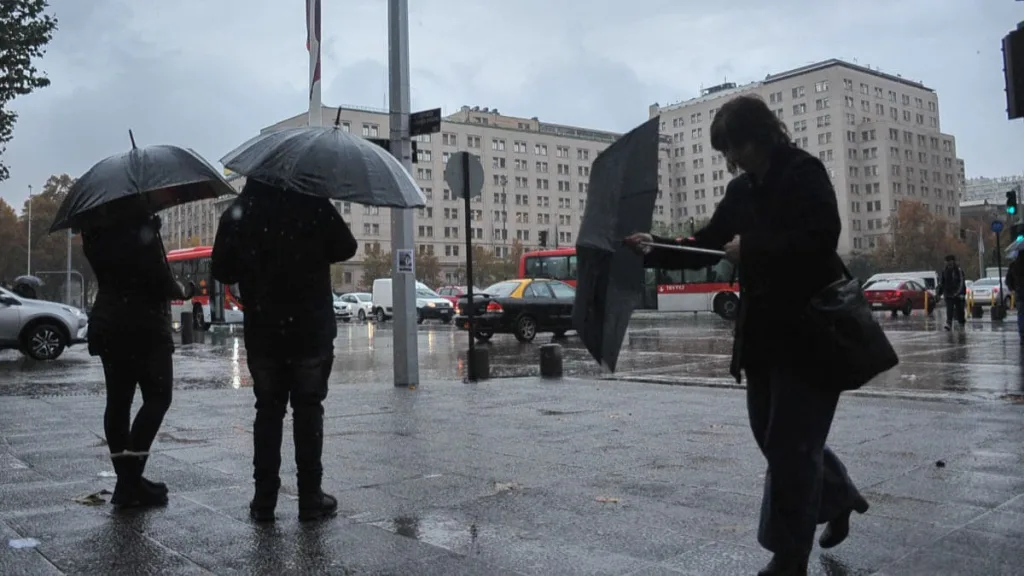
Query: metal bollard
[551, 361]
[480, 366]
[187, 329]
[977, 311]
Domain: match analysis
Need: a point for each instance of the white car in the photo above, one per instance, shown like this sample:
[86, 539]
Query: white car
[40, 329]
[342, 309]
[361, 304]
[988, 290]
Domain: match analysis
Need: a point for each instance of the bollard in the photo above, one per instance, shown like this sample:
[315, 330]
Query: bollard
[926, 309]
[187, 329]
[998, 313]
[551, 361]
[977, 311]
[480, 366]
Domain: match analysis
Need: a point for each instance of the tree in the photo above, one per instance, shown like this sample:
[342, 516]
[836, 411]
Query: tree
[486, 268]
[428, 269]
[25, 31]
[510, 263]
[919, 241]
[12, 243]
[376, 264]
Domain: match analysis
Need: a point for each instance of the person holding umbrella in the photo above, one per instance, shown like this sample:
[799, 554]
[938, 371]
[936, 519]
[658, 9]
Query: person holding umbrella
[279, 245]
[777, 222]
[114, 205]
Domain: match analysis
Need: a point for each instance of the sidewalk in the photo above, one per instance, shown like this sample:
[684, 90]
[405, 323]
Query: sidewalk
[512, 476]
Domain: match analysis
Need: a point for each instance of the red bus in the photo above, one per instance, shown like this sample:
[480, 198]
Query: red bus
[712, 289]
[193, 264]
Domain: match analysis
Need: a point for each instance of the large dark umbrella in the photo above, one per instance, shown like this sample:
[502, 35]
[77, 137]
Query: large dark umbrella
[329, 163]
[163, 176]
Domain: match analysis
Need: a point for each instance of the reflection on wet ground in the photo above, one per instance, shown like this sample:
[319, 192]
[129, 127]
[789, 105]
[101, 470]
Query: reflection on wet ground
[982, 360]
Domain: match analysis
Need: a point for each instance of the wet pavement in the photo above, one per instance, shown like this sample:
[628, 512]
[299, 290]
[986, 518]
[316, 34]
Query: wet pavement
[584, 475]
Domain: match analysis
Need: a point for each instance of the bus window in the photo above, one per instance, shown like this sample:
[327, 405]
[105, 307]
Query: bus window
[683, 276]
[572, 267]
[722, 272]
[556, 267]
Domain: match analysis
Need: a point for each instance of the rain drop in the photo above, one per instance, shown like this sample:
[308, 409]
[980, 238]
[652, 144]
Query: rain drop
[236, 212]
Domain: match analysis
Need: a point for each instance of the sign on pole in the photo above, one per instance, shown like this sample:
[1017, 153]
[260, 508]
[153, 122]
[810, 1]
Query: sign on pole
[425, 122]
[455, 175]
[465, 177]
[997, 226]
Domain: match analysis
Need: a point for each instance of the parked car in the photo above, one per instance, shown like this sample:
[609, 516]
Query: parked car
[452, 293]
[39, 329]
[342, 309]
[899, 296]
[429, 305]
[520, 307]
[361, 304]
[988, 290]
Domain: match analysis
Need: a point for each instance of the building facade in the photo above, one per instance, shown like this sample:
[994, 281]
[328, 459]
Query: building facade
[878, 134]
[195, 223]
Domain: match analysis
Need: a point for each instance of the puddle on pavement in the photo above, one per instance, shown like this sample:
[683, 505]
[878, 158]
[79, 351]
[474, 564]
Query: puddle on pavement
[444, 532]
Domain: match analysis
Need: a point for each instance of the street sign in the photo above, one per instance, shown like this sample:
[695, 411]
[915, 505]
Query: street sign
[425, 122]
[997, 226]
[454, 171]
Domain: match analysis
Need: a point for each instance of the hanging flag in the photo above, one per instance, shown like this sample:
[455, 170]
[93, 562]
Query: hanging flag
[313, 46]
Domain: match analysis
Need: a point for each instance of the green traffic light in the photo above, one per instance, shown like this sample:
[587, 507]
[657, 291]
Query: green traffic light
[1020, 238]
[1011, 209]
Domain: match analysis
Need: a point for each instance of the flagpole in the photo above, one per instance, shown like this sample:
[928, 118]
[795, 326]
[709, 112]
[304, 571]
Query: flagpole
[313, 36]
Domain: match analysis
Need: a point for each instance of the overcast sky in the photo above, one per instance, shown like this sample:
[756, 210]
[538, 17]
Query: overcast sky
[208, 74]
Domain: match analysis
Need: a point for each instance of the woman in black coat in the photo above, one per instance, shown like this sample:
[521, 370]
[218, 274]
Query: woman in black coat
[130, 330]
[780, 223]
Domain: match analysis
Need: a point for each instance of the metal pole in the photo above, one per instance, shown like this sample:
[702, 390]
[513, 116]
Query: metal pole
[68, 281]
[403, 285]
[470, 359]
[29, 271]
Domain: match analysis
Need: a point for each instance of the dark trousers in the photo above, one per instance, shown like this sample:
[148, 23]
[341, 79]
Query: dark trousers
[153, 373]
[956, 308]
[303, 383]
[806, 484]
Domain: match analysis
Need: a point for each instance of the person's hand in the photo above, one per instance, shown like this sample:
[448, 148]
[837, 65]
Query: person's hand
[732, 250]
[639, 242]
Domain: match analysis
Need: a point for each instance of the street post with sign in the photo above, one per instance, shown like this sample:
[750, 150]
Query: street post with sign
[998, 310]
[465, 177]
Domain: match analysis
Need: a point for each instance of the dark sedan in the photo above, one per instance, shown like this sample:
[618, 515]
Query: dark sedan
[519, 307]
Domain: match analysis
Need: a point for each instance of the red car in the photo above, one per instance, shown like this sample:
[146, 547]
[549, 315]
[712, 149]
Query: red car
[899, 296]
[452, 293]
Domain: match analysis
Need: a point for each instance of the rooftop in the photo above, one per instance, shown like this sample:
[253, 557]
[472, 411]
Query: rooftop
[843, 64]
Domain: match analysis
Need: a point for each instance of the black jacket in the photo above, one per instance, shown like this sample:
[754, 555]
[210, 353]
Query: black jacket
[789, 228]
[278, 247]
[952, 283]
[132, 312]
[1014, 273]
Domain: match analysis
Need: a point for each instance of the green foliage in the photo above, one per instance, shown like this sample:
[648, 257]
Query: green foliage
[25, 30]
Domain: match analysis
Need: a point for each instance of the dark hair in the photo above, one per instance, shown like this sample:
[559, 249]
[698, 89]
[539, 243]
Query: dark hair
[747, 120]
[950, 258]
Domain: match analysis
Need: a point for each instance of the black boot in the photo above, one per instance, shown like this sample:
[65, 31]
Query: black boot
[838, 529]
[308, 421]
[130, 491]
[148, 485]
[785, 566]
[261, 508]
[317, 506]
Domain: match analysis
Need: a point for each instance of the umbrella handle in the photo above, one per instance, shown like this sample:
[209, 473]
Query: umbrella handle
[685, 248]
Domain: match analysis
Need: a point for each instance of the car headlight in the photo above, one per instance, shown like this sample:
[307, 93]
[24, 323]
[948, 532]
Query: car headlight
[432, 304]
[73, 311]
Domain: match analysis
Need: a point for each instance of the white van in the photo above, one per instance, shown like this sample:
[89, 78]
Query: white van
[429, 304]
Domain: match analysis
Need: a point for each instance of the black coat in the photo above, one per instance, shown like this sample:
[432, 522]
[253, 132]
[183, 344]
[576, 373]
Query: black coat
[789, 228]
[278, 247]
[132, 312]
[952, 283]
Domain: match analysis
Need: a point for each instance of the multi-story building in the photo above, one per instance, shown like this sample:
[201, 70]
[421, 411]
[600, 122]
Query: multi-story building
[878, 134]
[985, 198]
[195, 223]
[536, 176]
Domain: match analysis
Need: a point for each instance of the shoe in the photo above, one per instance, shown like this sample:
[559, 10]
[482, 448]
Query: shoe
[948, 327]
[261, 508]
[838, 529]
[785, 566]
[317, 506]
[155, 487]
[261, 513]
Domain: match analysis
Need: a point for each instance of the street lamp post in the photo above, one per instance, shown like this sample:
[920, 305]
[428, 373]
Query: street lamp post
[28, 272]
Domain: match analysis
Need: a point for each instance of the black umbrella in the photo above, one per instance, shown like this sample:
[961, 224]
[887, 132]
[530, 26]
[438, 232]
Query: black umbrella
[164, 176]
[327, 162]
[620, 201]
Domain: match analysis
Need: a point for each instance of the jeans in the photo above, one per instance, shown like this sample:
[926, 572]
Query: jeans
[806, 484]
[276, 383]
[153, 373]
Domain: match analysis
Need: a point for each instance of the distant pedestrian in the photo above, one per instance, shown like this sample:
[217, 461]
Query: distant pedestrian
[778, 221]
[279, 246]
[953, 288]
[1015, 284]
[130, 330]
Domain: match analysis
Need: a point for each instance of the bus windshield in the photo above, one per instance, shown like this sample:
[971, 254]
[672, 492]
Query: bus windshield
[560, 267]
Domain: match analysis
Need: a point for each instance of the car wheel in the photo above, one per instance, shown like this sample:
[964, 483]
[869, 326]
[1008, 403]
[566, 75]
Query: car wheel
[726, 305]
[44, 342]
[526, 329]
[380, 315]
[484, 335]
[362, 315]
[908, 308]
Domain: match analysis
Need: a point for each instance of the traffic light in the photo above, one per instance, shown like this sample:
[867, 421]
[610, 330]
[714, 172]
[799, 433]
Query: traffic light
[1017, 231]
[543, 238]
[1011, 202]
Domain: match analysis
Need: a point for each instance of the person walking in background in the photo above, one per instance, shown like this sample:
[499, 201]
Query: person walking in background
[1015, 284]
[130, 330]
[953, 288]
[778, 221]
[279, 246]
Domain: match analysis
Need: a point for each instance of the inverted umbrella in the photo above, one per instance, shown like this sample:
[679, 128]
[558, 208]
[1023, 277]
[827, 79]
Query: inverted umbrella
[620, 201]
[164, 176]
[329, 163]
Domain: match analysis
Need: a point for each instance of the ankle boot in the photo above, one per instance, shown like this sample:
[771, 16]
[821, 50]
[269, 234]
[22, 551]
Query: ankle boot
[785, 566]
[126, 490]
[317, 506]
[263, 503]
[839, 528]
[149, 485]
